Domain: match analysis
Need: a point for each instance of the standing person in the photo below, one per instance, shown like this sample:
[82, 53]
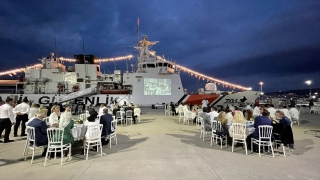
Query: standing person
[6, 119]
[204, 103]
[311, 104]
[22, 111]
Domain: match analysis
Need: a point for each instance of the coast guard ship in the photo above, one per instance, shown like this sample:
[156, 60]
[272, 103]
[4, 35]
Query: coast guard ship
[152, 81]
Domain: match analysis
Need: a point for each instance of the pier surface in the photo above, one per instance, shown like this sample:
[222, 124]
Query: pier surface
[159, 147]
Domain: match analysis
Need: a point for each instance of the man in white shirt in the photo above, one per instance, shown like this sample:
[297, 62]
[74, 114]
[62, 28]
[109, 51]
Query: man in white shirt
[6, 119]
[204, 103]
[272, 111]
[213, 114]
[294, 113]
[248, 107]
[21, 111]
[256, 112]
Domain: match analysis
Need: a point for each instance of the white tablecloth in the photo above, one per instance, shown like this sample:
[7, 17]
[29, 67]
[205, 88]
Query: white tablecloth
[78, 131]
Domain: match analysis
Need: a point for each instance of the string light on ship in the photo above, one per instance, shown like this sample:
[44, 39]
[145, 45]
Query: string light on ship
[204, 77]
[15, 71]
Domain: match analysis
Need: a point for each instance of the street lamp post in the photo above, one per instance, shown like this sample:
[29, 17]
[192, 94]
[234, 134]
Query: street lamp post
[309, 82]
[261, 83]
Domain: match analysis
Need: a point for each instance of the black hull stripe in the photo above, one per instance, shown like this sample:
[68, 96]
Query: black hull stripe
[215, 102]
[180, 100]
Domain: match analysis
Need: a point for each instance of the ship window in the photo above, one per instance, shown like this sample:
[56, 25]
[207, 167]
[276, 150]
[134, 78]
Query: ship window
[165, 64]
[98, 69]
[151, 65]
[144, 66]
[160, 64]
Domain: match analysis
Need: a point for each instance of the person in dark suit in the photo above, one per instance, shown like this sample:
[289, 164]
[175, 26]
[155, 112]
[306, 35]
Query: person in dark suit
[40, 128]
[105, 120]
[173, 109]
[259, 121]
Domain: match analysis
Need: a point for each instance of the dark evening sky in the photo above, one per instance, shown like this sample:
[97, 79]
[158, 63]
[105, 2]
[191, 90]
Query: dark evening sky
[243, 42]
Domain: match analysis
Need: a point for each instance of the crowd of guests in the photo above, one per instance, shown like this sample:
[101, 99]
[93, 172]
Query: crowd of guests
[16, 114]
[279, 119]
[115, 107]
[33, 115]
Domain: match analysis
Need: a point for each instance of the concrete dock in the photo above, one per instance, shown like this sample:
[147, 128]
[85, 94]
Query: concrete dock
[159, 147]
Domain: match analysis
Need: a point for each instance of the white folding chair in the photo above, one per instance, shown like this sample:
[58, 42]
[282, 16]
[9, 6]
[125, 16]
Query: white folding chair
[119, 117]
[214, 125]
[92, 138]
[137, 113]
[239, 135]
[31, 138]
[129, 117]
[265, 133]
[198, 118]
[203, 131]
[295, 118]
[218, 134]
[187, 117]
[181, 116]
[114, 130]
[55, 143]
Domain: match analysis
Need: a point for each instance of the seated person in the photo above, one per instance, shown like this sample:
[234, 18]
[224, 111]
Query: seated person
[136, 112]
[33, 111]
[129, 108]
[91, 109]
[105, 120]
[206, 119]
[258, 121]
[238, 118]
[92, 119]
[40, 128]
[173, 109]
[67, 124]
[286, 112]
[213, 114]
[222, 118]
[54, 116]
[102, 106]
[282, 121]
[229, 116]
[115, 109]
[272, 111]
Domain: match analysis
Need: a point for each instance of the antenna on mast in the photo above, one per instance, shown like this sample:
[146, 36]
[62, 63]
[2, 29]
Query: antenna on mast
[55, 48]
[138, 31]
